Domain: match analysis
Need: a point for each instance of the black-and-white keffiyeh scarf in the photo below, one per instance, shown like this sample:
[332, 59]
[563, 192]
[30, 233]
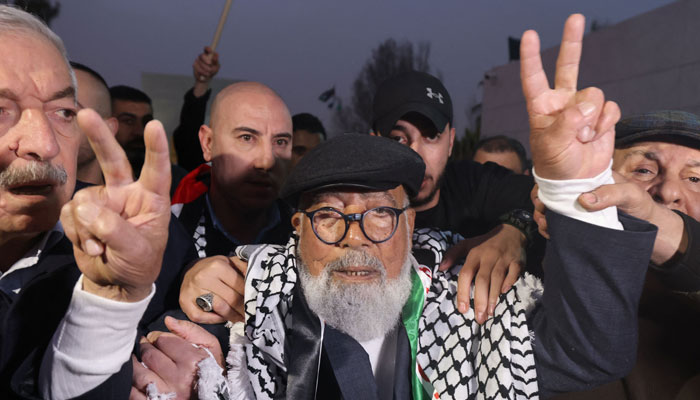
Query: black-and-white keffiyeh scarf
[454, 356]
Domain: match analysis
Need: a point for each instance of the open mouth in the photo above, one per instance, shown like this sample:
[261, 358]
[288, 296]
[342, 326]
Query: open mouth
[356, 273]
[261, 181]
[33, 189]
[261, 184]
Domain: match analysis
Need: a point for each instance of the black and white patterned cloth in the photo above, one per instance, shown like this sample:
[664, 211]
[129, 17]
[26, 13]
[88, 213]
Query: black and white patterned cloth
[456, 357]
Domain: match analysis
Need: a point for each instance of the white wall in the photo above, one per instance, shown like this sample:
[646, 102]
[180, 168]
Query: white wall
[648, 62]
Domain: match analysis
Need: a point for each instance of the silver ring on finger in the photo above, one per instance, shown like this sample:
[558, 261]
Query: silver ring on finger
[206, 302]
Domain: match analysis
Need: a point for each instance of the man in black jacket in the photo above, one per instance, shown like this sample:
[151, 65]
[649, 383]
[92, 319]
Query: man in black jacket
[465, 197]
[193, 111]
[40, 140]
[234, 199]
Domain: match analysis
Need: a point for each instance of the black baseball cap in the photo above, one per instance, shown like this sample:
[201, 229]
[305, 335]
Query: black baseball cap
[671, 126]
[357, 161]
[411, 92]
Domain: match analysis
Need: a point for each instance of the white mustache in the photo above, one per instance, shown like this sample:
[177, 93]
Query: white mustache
[356, 258]
[37, 171]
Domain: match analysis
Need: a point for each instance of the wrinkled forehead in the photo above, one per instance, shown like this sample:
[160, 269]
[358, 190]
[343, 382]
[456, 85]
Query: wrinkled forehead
[39, 72]
[354, 196]
[250, 104]
[664, 153]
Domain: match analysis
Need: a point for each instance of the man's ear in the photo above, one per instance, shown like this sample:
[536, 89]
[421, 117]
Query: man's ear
[206, 136]
[112, 124]
[452, 140]
[296, 221]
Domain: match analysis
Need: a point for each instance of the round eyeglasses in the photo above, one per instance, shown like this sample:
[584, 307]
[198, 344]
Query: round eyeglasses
[378, 224]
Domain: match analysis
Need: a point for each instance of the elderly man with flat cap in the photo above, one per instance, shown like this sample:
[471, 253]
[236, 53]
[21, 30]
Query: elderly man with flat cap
[657, 157]
[345, 309]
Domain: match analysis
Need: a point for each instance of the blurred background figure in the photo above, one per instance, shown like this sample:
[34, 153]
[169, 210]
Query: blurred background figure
[93, 92]
[504, 151]
[193, 112]
[308, 133]
[133, 109]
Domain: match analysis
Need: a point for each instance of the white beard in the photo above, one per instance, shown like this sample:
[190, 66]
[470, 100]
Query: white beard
[362, 310]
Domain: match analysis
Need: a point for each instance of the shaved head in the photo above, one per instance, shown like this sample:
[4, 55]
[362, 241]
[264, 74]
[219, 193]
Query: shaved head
[253, 94]
[249, 145]
[93, 94]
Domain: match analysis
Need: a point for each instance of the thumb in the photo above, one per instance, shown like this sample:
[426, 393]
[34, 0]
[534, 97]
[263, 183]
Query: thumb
[605, 196]
[191, 332]
[195, 334]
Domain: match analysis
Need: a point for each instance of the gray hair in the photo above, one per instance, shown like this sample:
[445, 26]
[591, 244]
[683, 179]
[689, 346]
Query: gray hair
[17, 21]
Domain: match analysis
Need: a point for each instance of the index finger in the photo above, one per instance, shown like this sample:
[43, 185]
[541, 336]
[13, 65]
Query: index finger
[532, 75]
[155, 174]
[110, 155]
[566, 76]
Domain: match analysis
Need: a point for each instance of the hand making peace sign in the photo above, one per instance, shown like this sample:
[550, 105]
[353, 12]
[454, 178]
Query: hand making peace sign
[119, 230]
[572, 133]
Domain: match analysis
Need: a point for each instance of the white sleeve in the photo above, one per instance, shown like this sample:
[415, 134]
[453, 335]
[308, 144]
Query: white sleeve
[93, 341]
[561, 197]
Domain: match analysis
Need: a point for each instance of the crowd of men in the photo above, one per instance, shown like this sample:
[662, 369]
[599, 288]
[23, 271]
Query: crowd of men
[276, 261]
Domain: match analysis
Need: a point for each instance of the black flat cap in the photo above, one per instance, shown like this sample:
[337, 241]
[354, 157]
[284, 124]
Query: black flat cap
[411, 92]
[672, 126]
[355, 160]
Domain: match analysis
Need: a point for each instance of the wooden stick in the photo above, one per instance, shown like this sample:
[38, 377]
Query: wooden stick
[220, 28]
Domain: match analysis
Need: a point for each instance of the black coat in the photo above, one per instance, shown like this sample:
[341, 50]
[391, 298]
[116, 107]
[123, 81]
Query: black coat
[29, 322]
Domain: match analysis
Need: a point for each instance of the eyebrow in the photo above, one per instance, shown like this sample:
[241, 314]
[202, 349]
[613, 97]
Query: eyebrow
[693, 163]
[127, 114]
[398, 128]
[64, 93]
[318, 197]
[68, 92]
[246, 129]
[257, 132]
[383, 195]
[650, 155]
[8, 94]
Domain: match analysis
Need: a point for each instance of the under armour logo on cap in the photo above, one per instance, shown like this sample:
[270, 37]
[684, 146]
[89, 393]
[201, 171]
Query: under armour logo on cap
[433, 95]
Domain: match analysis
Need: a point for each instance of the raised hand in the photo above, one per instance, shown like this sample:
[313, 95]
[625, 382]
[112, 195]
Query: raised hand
[119, 230]
[204, 68]
[572, 133]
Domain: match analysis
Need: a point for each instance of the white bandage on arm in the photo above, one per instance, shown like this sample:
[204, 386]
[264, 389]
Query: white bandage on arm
[93, 341]
[562, 198]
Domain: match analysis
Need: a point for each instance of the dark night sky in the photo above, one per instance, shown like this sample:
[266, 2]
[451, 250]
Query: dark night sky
[302, 47]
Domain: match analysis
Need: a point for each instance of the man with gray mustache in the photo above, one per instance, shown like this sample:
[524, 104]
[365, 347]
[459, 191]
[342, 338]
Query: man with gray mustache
[39, 143]
[39, 139]
[23, 177]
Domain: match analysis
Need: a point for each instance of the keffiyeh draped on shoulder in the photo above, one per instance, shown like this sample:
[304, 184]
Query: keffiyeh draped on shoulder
[454, 357]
